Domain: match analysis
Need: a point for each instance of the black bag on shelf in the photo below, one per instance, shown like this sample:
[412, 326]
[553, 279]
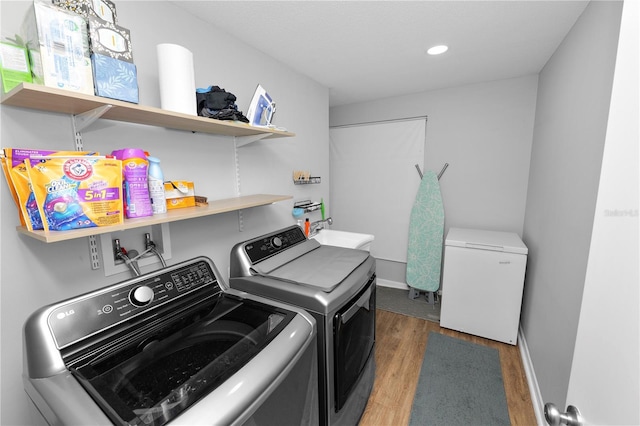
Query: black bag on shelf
[214, 102]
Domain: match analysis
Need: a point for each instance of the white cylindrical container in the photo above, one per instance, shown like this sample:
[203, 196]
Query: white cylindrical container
[156, 186]
[176, 79]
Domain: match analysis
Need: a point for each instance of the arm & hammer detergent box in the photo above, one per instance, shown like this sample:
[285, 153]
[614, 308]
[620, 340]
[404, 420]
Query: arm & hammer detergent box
[17, 177]
[179, 194]
[77, 192]
[58, 43]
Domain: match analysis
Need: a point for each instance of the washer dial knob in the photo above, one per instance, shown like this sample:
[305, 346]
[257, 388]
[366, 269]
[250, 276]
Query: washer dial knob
[141, 296]
[276, 242]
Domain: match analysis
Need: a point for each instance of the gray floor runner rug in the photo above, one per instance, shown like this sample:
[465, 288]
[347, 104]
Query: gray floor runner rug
[460, 384]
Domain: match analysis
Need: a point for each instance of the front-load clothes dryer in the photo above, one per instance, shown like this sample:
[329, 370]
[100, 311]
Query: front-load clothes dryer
[337, 286]
[175, 346]
[482, 283]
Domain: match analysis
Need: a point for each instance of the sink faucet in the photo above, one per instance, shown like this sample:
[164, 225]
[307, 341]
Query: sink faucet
[318, 225]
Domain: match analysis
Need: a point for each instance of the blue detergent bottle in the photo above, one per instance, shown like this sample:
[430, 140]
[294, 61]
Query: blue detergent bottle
[156, 186]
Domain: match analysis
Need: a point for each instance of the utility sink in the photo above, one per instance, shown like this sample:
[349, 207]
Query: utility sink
[345, 239]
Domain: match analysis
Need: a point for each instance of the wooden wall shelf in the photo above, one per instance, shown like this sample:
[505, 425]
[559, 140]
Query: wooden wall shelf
[38, 97]
[43, 98]
[214, 207]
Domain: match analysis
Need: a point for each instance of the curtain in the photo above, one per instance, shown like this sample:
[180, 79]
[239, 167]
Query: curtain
[374, 181]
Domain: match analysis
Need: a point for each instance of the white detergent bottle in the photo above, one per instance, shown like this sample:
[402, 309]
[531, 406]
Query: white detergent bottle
[156, 186]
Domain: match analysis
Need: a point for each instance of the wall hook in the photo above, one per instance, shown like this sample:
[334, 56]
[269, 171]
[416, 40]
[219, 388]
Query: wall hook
[439, 174]
[443, 169]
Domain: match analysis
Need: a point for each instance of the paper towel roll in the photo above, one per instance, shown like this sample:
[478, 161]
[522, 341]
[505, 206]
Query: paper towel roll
[176, 78]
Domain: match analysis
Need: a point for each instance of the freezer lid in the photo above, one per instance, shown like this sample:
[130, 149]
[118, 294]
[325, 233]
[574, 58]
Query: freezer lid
[508, 242]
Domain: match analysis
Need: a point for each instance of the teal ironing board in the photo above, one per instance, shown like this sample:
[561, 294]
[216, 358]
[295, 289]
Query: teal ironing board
[426, 231]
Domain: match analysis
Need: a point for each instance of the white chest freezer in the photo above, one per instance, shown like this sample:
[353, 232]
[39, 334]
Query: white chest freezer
[482, 283]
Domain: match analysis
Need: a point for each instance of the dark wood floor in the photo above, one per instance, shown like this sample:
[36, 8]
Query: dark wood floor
[400, 344]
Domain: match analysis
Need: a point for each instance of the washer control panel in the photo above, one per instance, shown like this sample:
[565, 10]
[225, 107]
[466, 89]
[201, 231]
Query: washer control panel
[268, 245]
[83, 316]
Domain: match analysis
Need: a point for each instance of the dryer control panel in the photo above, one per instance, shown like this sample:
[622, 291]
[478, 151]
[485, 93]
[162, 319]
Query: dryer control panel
[270, 244]
[86, 315]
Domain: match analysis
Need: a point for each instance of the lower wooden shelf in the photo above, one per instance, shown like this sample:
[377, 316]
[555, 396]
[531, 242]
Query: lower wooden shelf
[214, 207]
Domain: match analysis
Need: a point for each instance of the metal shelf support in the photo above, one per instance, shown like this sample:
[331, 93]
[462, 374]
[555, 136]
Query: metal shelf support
[80, 122]
[236, 141]
[245, 140]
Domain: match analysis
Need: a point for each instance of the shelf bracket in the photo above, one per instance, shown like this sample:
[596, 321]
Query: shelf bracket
[84, 120]
[245, 140]
[78, 123]
[237, 165]
[239, 141]
[93, 252]
[81, 121]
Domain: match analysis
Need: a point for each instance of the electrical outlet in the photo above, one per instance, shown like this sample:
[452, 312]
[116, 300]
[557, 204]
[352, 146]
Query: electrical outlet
[134, 239]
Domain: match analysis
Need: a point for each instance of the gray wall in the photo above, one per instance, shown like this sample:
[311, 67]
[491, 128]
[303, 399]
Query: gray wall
[574, 90]
[34, 274]
[484, 131]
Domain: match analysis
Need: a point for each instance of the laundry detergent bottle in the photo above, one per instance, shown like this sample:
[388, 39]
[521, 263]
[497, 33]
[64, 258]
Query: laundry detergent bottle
[156, 186]
[134, 182]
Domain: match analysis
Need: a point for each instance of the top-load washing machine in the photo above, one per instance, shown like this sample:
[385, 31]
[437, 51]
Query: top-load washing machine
[338, 287]
[172, 346]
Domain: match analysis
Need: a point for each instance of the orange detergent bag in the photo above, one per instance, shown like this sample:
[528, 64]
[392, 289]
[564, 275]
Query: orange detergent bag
[77, 192]
[15, 172]
[26, 200]
[6, 169]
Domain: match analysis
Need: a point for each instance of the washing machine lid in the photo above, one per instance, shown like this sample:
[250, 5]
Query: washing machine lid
[156, 376]
[322, 267]
[508, 242]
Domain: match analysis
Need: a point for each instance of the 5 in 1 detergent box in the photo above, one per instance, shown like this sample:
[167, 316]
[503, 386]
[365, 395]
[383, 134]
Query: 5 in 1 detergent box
[77, 192]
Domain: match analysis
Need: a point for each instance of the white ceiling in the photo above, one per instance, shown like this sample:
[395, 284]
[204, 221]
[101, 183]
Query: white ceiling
[366, 50]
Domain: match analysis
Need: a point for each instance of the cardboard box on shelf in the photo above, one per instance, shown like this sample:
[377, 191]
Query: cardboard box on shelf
[103, 9]
[179, 194]
[14, 65]
[58, 43]
[115, 75]
[115, 79]
[110, 39]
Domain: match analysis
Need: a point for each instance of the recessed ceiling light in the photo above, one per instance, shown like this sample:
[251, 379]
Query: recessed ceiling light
[436, 50]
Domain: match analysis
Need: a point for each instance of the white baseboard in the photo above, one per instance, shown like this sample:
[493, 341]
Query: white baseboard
[393, 284]
[534, 389]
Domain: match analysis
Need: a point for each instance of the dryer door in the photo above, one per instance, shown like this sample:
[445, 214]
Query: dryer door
[354, 336]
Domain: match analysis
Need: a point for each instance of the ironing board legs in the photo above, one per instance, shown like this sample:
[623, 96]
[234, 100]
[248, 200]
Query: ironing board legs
[413, 293]
[430, 295]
